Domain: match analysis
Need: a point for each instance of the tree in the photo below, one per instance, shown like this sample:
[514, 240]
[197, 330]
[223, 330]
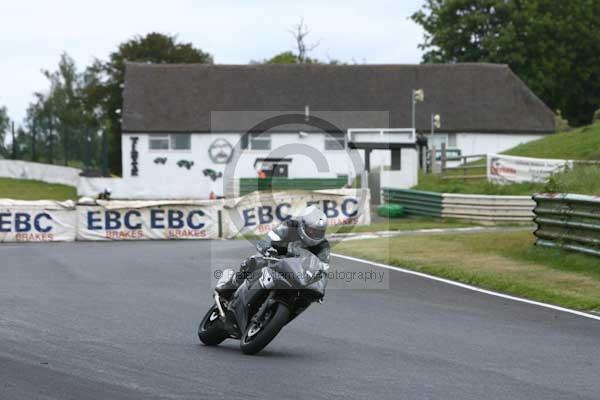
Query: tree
[300, 56]
[286, 57]
[300, 32]
[104, 88]
[551, 44]
[4, 126]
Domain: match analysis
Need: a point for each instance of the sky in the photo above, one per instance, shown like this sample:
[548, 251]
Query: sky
[34, 33]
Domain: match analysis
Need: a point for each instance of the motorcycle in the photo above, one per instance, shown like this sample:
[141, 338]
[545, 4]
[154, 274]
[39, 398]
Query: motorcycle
[268, 299]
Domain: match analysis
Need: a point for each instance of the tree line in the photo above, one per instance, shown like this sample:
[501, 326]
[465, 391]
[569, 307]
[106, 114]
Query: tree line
[76, 120]
[552, 45]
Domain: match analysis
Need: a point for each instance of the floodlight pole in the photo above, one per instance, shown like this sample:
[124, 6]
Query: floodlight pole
[414, 103]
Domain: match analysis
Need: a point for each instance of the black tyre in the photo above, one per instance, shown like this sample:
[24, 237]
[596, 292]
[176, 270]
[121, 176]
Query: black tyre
[259, 334]
[210, 330]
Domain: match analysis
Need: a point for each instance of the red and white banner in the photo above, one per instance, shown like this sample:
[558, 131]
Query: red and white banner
[511, 169]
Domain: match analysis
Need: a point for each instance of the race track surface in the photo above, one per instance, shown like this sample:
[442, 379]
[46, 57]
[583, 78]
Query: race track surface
[118, 321]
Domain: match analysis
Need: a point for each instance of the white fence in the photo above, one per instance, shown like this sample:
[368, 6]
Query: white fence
[49, 173]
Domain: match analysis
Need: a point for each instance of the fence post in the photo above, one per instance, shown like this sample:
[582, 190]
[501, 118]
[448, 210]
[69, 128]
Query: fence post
[443, 158]
[432, 160]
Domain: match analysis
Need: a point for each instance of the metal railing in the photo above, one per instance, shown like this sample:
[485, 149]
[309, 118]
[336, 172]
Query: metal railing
[568, 221]
[462, 206]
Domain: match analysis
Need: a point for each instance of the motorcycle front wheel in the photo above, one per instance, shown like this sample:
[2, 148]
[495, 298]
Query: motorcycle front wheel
[210, 330]
[260, 333]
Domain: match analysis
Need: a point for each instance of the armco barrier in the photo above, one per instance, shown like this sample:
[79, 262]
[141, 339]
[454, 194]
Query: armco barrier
[487, 208]
[463, 206]
[415, 201]
[568, 221]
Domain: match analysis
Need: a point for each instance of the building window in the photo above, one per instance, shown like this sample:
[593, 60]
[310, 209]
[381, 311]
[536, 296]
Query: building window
[334, 141]
[159, 142]
[256, 141]
[452, 140]
[181, 141]
[176, 141]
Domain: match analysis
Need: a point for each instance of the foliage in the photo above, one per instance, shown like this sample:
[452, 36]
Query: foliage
[302, 49]
[596, 118]
[582, 179]
[560, 123]
[551, 44]
[104, 87]
[57, 125]
[4, 125]
[434, 183]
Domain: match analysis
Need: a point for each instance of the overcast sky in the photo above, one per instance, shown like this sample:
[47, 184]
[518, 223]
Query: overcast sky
[35, 33]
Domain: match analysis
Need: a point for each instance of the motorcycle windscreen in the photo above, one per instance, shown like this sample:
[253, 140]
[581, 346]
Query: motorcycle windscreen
[302, 270]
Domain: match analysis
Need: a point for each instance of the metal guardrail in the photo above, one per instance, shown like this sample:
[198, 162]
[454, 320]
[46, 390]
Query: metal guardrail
[568, 221]
[415, 201]
[462, 206]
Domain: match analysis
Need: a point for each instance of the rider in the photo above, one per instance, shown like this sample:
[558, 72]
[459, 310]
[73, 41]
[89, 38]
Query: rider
[306, 231]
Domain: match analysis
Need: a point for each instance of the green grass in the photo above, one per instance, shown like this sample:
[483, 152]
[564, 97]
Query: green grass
[404, 224]
[397, 224]
[18, 189]
[501, 261]
[579, 144]
[434, 183]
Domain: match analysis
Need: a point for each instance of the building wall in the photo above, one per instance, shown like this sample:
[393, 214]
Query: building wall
[482, 143]
[283, 145]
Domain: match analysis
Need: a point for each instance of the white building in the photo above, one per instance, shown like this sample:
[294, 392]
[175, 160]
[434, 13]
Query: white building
[201, 126]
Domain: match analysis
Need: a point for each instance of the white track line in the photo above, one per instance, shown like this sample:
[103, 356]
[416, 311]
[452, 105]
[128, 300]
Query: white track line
[469, 287]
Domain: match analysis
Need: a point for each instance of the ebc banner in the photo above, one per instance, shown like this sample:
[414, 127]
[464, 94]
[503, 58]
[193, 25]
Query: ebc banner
[148, 221]
[37, 221]
[258, 213]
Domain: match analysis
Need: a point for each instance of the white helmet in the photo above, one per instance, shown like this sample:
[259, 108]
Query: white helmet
[313, 224]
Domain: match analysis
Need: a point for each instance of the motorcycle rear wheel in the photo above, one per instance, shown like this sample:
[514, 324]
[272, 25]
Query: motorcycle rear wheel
[210, 330]
[259, 335]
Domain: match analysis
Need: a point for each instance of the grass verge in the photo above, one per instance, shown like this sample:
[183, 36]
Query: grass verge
[404, 224]
[502, 261]
[19, 189]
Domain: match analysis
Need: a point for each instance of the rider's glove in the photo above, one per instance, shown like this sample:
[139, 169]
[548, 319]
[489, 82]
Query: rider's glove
[271, 252]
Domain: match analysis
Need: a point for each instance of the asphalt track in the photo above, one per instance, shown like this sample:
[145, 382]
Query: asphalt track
[118, 321]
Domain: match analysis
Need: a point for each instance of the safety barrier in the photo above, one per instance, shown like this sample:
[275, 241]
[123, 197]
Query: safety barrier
[17, 169]
[415, 201]
[568, 221]
[462, 206]
[256, 213]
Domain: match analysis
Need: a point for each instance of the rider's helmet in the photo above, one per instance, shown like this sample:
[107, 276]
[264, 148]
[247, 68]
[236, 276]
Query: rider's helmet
[313, 224]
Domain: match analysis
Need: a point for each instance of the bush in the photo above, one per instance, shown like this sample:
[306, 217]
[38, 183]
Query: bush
[582, 179]
[596, 116]
[560, 123]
